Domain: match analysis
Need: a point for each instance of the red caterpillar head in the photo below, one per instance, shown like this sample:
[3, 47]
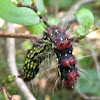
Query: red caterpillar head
[70, 79]
[63, 45]
[62, 42]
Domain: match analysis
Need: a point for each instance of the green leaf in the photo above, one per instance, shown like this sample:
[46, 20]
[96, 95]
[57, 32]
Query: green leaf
[90, 82]
[85, 18]
[40, 6]
[37, 29]
[11, 78]
[53, 21]
[80, 32]
[26, 45]
[20, 15]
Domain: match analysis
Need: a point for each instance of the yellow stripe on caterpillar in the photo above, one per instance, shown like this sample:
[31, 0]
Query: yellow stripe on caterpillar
[31, 51]
[57, 60]
[48, 38]
[32, 55]
[38, 51]
[28, 60]
[66, 54]
[28, 75]
[31, 65]
[52, 45]
[55, 54]
[22, 70]
[69, 51]
[35, 64]
[59, 72]
[28, 65]
[34, 48]
[51, 34]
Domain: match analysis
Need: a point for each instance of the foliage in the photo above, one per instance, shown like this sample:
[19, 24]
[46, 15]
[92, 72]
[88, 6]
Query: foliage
[89, 84]
[80, 32]
[26, 45]
[53, 21]
[24, 16]
[85, 18]
[37, 29]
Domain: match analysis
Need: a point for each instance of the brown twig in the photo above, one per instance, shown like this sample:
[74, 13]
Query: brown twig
[56, 7]
[6, 94]
[17, 35]
[29, 36]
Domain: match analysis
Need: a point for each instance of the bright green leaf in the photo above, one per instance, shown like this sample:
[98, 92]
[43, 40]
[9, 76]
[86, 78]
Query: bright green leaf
[40, 6]
[85, 18]
[11, 78]
[26, 45]
[80, 32]
[53, 21]
[24, 16]
[37, 29]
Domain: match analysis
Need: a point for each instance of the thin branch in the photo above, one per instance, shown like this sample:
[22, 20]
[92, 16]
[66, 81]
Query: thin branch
[17, 35]
[69, 17]
[56, 7]
[29, 36]
[6, 94]
[22, 35]
[12, 65]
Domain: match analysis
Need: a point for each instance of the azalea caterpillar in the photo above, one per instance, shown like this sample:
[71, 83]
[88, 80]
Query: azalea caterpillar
[62, 48]
[33, 58]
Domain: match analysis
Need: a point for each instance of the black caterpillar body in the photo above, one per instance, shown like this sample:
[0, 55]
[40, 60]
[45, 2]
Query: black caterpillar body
[63, 51]
[33, 58]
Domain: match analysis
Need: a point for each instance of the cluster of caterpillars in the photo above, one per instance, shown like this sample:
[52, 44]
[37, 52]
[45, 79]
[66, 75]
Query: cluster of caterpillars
[63, 51]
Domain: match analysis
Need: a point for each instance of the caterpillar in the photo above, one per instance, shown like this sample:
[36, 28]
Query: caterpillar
[63, 52]
[33, 58]
[61, 47]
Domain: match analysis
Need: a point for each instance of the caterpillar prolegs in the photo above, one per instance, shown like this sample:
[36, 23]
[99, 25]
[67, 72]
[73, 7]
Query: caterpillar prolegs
[62, 48]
